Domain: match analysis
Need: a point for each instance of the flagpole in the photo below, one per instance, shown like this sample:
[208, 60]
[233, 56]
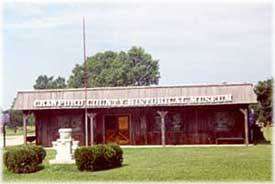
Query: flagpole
[85, 83]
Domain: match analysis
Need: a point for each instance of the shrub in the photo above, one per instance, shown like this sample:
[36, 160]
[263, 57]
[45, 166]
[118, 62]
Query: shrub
[98, 157]
[267, 133]
[40, 153]
[24, 159]
[118, 157]
[103, 155]
[84, 158]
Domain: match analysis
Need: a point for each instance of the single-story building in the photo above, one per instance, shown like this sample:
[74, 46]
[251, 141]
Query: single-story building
[143, 115]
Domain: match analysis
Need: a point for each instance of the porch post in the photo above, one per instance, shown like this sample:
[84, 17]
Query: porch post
[244, 112]
[162, 116]
[144, 128]
[25, 119]
[103, 130]
[91, 117]
[86, 128]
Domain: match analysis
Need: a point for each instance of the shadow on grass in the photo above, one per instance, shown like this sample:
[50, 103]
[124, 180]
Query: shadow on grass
[40, 168]
[107, 169]
[123, 165]
[262, 142]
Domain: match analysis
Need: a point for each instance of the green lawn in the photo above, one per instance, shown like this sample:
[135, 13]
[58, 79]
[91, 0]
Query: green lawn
[20, 131]
[251, 163]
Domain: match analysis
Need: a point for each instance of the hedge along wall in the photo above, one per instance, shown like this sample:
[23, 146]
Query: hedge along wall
[24, 158]
[98, 157]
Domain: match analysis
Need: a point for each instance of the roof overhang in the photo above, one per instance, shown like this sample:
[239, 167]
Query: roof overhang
[136, 96]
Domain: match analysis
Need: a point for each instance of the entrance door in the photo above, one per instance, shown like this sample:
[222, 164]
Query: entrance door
[117, 129]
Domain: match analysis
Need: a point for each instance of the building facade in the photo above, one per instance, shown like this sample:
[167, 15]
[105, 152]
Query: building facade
[146, 115]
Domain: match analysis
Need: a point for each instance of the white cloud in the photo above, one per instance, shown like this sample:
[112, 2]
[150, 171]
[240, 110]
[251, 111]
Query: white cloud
[24, 9]
[40, 15]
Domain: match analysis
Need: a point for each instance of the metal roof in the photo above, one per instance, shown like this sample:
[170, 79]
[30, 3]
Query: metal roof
[242, 94]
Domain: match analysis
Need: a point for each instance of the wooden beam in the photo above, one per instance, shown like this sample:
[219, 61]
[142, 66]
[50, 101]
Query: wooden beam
[143, 127]
[244, 111]
[25, 119]
[162, 116]
[86, 127]
[4, 134]
[132, 129]
[36, 128]
[103, 130]
[92, 123]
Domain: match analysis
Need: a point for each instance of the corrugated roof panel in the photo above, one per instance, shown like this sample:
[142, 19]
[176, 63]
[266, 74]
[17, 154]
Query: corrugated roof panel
[241, 93]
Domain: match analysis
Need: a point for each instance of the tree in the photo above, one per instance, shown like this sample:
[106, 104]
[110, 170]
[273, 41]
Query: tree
[76, 78]
[45, 82]
[59, 83]
[263, 110]
[15, 118]
[132, 68]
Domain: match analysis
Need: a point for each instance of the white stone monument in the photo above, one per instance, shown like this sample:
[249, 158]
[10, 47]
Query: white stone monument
[65, 147]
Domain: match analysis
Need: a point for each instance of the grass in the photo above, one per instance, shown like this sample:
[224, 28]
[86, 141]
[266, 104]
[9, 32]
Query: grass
[20, 131]
[267, 132]
[251, 163]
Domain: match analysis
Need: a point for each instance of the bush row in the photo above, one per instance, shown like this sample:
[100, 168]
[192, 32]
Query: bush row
[24, 158]
[27, 158]
[98, 157]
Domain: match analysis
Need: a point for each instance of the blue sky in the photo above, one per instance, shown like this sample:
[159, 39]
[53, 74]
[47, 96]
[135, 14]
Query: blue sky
[196, 43]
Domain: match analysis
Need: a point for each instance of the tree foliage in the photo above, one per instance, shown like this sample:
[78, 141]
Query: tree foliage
[263, 110]
[15, 118]
[132, 68]
[45, 82]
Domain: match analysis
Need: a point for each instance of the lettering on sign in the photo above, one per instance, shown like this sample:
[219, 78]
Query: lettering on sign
[71, 103]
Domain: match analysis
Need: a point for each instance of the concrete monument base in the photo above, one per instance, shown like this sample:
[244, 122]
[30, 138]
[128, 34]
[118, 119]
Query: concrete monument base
[65, 147]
